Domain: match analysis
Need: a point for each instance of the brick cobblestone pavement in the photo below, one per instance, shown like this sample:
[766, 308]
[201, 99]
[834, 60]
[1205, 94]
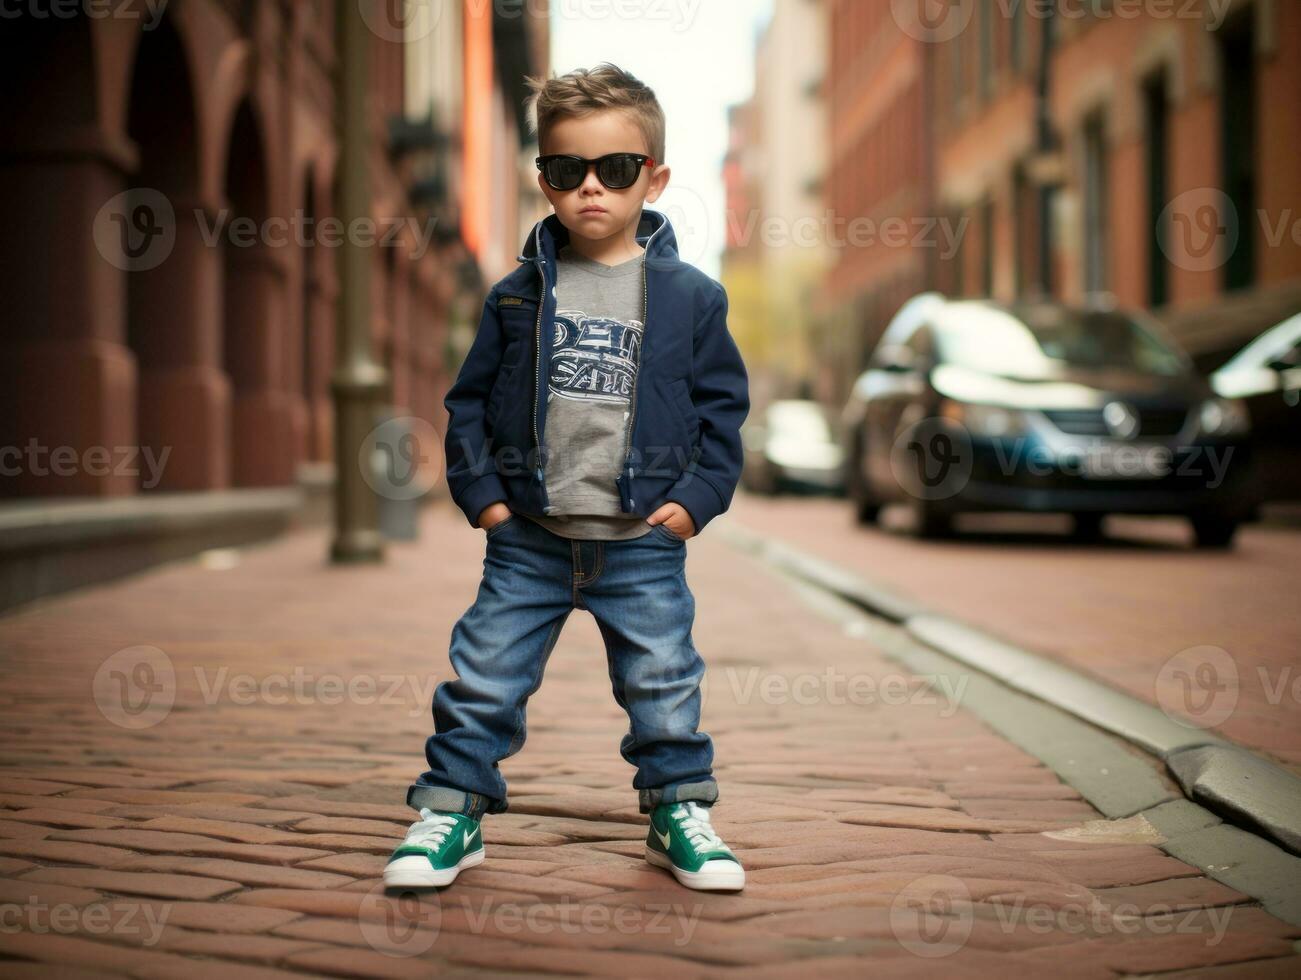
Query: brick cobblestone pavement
[1140, 609]
[203, 771]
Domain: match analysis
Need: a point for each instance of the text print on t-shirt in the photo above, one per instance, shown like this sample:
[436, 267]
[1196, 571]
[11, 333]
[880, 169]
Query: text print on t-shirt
[594, 357]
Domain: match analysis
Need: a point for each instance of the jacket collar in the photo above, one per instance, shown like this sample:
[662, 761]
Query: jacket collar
[654, 233]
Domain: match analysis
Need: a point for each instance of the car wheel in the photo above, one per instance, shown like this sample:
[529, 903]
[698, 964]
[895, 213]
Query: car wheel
[1214, 530]
[866, 510]
[1087, 526]
[927, 522]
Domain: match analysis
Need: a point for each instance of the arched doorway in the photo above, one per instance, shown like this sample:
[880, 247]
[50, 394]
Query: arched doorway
[316, 338]
[308, 342]
[173, 308]
[67, 378]
[262, 449]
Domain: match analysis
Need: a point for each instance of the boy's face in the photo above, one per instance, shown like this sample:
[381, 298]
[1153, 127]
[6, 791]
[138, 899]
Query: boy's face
[591, 210]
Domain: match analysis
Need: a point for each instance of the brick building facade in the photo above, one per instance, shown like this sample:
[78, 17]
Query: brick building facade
[1171, 178]
[878, 174]
[219, 348]
[1176, 134]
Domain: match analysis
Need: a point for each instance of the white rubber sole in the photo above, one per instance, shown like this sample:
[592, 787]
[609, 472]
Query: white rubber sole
[714, 876]
[414, 871]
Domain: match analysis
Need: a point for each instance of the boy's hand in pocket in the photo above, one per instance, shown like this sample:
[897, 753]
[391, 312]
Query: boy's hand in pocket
[677, 519]
[493, 513]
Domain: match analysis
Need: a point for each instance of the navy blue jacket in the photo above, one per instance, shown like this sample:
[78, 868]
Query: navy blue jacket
[689, 398]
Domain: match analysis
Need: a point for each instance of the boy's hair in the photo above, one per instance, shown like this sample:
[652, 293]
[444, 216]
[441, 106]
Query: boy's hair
[584, 91]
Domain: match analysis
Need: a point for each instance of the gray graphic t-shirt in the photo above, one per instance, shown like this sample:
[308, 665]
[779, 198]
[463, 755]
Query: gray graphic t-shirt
[594, 359]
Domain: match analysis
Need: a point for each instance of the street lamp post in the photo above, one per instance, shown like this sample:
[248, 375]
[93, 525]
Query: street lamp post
[359, 385]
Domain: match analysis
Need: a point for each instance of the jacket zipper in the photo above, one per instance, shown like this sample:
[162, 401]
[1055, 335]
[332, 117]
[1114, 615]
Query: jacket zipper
[632, 400]
[537, 363]
[537, 366]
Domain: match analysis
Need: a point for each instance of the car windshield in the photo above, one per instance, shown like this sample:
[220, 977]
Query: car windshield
[1044, 343]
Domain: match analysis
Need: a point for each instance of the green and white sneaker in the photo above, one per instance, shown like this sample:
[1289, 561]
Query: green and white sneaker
[437, 848]
[682, 840]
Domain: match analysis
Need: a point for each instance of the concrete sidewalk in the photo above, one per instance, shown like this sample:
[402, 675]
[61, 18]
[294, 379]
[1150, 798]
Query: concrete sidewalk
[204, 766]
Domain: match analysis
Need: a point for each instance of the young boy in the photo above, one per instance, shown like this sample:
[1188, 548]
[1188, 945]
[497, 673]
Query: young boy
[593, 428]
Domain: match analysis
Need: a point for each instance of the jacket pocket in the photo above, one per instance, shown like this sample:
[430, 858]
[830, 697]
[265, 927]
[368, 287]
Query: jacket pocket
[519, 315]
[500, 391]
[685, 409]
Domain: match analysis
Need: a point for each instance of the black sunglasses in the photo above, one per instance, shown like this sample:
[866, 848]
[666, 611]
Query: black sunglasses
[616, 171]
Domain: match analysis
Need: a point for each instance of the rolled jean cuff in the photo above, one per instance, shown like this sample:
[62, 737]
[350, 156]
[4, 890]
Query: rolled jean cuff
[704, 791]
[448, 799]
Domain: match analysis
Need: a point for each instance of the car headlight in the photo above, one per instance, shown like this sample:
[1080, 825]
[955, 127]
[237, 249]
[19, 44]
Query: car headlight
[1223, 417]
[989, 421]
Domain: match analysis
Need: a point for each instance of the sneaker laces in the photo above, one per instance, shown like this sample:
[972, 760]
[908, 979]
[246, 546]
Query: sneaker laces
[432, 829]
[693, 819]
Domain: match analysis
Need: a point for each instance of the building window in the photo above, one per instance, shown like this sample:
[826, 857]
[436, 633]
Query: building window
[958, 263]
[1156, 105]
[1016, 43]
[1238, 143]
[1095, 203]
[1018, 231]
[986, 48]
[956, 66]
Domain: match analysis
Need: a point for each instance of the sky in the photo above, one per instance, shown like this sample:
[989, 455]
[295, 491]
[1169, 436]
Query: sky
[698, 57]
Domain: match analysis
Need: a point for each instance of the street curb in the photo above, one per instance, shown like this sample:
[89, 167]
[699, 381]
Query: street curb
[1228, 777]
[878, 601]
[1235, 783]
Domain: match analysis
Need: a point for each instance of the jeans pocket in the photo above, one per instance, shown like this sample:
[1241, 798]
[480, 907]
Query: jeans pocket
[500, 524]
[669, 533]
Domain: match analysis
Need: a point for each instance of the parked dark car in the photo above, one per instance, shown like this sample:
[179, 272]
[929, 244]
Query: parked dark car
[976, 406]
[1266, 375]
[791, 445]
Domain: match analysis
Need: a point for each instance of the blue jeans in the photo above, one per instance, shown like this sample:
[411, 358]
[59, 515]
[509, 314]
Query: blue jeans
[533, 578]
